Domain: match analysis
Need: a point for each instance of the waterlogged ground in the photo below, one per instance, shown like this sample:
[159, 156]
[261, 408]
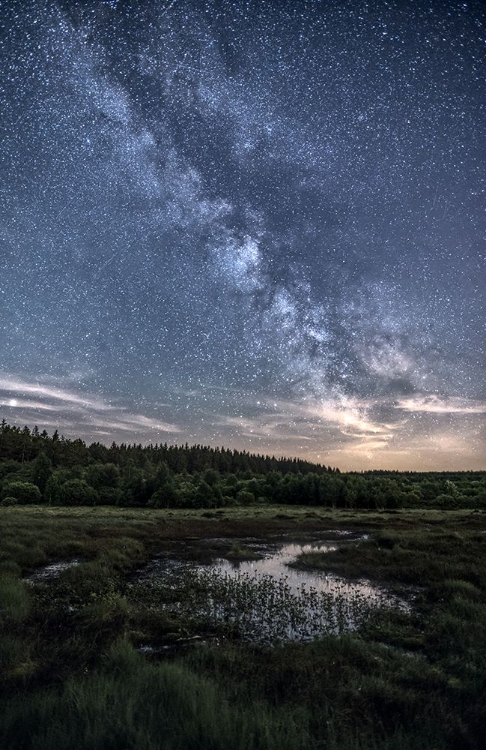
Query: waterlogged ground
[71, 671]
[52, 570]
[251, 589]
[263, 599]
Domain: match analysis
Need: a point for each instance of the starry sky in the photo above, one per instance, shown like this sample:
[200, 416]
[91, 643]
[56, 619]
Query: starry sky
[251, 223]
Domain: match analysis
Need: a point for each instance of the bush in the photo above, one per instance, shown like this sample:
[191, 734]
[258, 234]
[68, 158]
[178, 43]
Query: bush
[103, 475]
[77, 492]
[9, 501]
[166, 497]
[205, 496]
[245, 498]
[110, 496]
[447, 502]
[23, 492]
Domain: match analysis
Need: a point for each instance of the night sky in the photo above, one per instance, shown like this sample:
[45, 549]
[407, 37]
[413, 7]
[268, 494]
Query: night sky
[257, 224]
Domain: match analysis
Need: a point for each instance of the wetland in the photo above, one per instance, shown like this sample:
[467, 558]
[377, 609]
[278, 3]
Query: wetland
[258, 593]
[250, 628]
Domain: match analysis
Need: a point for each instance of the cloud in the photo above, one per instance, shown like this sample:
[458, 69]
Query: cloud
[22, 387]
[387, 359]
[330, 422]
[356, 433]
[15, 403]
[435, 405]
[351, 415]
[83, 415]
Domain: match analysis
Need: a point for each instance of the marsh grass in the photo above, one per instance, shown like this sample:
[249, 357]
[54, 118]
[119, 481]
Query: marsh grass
[130, 703]
[11, 650]
[409, 556]
[358, 694]
[402, 680]
[14, 601]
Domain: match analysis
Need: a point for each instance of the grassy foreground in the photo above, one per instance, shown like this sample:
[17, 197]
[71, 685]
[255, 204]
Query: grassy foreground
[71, 675]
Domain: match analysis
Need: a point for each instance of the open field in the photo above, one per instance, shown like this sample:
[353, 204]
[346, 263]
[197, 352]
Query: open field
[92, 657]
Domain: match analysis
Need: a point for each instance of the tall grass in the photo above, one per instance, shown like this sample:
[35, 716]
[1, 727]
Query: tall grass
[14, 600]
[130, 703]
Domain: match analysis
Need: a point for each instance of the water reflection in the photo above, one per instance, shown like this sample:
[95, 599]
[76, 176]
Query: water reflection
[265, 600]
[52, 570]
[276, 564]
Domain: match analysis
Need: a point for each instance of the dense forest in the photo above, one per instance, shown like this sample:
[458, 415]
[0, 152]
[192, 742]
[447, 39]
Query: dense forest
[36, 467]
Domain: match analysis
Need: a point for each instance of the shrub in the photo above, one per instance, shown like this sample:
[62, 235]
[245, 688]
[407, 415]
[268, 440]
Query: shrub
[110, 496]
[23, 492]
[9, 501]
[444, 501]
[245, 498]
[103, 475]
[77, 492]
[166, 497]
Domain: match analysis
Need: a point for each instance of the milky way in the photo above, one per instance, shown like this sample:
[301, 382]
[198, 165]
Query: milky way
[251, 224]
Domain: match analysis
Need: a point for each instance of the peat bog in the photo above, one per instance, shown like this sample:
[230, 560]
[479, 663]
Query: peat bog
[146, 628]
[252, 589]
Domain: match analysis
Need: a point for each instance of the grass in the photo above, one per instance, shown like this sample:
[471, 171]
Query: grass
[14, 601]
[130, 703]
[240, 553]
[70, 674]
[426, 556]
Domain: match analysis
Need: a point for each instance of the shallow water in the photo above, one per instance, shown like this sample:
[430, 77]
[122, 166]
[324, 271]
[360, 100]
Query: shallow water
[52, 570]
[265, 600]
[276, 564]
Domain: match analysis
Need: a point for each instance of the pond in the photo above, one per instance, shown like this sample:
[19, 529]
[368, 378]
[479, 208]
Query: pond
[264, 599]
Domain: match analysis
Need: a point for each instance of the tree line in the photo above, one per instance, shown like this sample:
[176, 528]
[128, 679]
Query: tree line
[36, 467]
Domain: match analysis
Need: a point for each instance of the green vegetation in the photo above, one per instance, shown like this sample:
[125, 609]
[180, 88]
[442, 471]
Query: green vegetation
[72, 674]
[240, 552]
[94, 656]
[130, 703]
[38, 468]
[427, 555]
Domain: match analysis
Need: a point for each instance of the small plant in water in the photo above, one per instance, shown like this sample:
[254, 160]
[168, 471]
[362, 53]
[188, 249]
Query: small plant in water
[264, 609]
